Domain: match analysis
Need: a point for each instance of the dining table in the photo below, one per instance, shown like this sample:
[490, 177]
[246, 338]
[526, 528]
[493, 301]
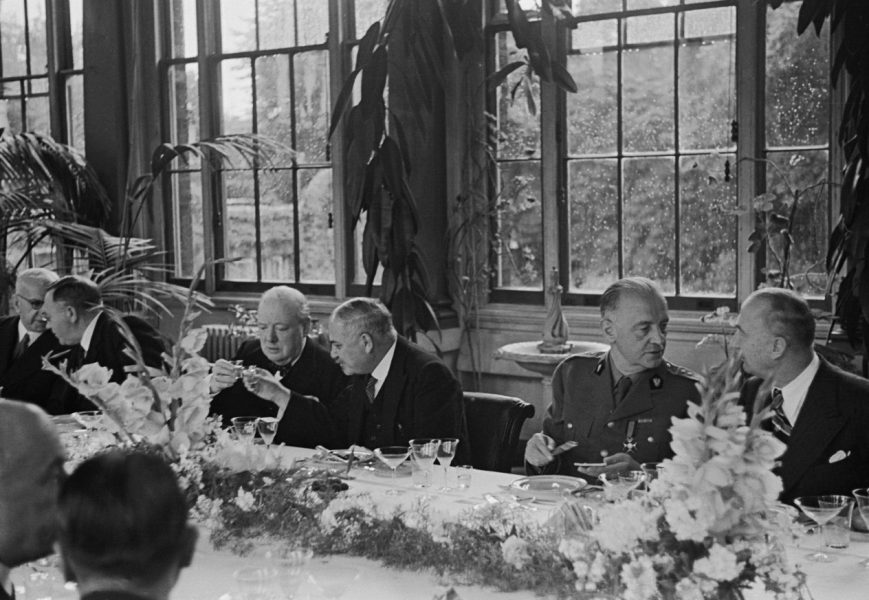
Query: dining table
[214, 574]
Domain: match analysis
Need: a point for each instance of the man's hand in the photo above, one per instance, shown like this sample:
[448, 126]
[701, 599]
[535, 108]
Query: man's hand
[613, 464]
[538, 452]
[268, 387]
[223, 375]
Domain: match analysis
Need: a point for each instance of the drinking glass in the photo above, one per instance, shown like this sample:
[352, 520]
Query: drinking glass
[392, 457]
[333, 581]
[267, 427]
[652, 470]
[292, 568]
[256, 583]
[619, 486]
[861, 495]
[89, 419]
[245, 428]
[425, 451]
[446, 453]
[821, 509]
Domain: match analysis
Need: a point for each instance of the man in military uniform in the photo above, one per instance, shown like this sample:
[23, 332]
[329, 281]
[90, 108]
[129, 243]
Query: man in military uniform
[616, 406]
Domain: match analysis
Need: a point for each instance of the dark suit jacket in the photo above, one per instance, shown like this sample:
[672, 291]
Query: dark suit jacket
[583, 410]
[107, 348]
[420, 398]
[834, 418]
[113, 595]
[24, 379]
[315, 381]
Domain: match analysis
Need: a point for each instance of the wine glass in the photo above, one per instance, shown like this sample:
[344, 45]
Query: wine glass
[333, 581]
[862, 497]
[392, 457]
[425, 451]
[619, 486]
[292, 568]
[245, 428]
[267, 427]
[256, 583]
[822, 509]
[446, 452]
[89, 419]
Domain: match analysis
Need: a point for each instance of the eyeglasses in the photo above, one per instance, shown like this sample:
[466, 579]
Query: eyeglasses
[35, 304]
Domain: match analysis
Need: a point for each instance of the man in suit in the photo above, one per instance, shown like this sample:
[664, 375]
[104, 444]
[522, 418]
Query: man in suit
[399, 391]
[292, 376]
[74, 312]
[31, 471]
[122, 527]
[616, 406]
[818, 410]
[24, 341]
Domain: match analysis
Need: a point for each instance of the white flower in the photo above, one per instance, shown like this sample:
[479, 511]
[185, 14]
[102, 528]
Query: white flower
[573, 548]
[720, 565]
[244, 500]
[194, 341]
[638, 577]
[91, 378]
[515, 551]
[622, 525]
[598, 569]
[687, 589]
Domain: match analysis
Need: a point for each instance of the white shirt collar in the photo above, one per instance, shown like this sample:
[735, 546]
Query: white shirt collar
[22, 331]
[382, 369]
[88, 334]
[794, 393]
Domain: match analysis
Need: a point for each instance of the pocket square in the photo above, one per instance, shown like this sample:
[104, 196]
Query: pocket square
[840, 455]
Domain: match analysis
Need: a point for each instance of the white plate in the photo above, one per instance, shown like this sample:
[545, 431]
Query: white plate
[341, 456]
[548, 488]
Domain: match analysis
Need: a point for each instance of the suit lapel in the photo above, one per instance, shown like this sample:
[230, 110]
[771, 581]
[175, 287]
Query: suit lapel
[93, 353]
[390, 391]
[640, 397]
[818, 423]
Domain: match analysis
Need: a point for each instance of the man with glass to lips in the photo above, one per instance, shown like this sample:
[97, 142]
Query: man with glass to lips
[611, 411]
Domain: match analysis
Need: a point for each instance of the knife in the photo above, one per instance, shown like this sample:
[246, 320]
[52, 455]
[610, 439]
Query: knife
[568, 445]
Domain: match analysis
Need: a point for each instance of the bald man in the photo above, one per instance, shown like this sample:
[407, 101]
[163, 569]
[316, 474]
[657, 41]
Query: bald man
[293, 378]
[31, 471]
[24, 340]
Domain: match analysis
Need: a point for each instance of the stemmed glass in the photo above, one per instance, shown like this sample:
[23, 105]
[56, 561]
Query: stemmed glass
[619, 487]
[268, 428]
[392, 457]
[245, 428]
[822, 509]
[446, 453]
[89, 419]
[862, 497]
[425, 451]
[333, 581]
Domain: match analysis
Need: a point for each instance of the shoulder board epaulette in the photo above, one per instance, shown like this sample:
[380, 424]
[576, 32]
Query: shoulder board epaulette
[681, 371]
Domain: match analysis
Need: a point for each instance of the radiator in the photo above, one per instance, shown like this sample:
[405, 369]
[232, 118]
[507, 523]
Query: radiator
[221, 343]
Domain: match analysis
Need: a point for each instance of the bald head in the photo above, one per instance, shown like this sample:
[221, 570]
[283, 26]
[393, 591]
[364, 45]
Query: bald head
[31, 468]
[283, 321]
[30, 288]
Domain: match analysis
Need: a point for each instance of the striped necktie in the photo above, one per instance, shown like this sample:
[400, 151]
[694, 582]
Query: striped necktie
[781, 426]
[370, 388]
[20, 347]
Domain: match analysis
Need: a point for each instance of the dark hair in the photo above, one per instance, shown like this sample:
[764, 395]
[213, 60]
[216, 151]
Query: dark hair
[787, 315]
[639, 286]
[366, 315]
[78, 292]
[122, 514]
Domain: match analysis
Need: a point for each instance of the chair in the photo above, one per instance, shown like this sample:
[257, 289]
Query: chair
[494, 423]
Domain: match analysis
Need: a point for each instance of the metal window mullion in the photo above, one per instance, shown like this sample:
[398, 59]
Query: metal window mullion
[677, 190]
[257, 213]
[340, 16]
[27, 52]
[620, 146]
[297, 262]
[550, 159]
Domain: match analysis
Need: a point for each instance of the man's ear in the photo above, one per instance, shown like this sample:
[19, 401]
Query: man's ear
[779, 346]
[367, 343]
[188, 546]
[609, 330]
[71, 313]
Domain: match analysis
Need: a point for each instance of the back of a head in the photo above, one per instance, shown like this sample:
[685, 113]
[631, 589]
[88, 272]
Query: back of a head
[366, 315]
[788, 315]
[78, 292]
[638, 286]
[122, 515]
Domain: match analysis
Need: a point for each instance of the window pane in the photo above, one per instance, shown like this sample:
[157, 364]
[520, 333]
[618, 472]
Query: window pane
[277, 24]
[183, 33]
[797, 81]
[368, 11]
[10, 115]
[707, 95]
[582, 8]
[314, 16]
[75, 112]
[635, 4]
[650, 29]
[38, 49]
[518, 128]
[184, 103]
[807, 173]
[648, 99]
[237, 98]
[187, 223]
[12, 38]
[315, 226]
[707, 225]
[593, 198]
[649, 220]
[239, 225]
[278, 226]
[592, 118]
[237, 25]
[709, 22]
[312, 105]
[38, 117]
[273, 103]
[520, 226]
[594, 35]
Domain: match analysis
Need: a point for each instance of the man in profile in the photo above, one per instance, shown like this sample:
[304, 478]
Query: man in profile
[615, 406]
[293, 377]
[819, 411]
[31, 471]
[73, 309]
[122, 527]
[400, 391]
[24, 341]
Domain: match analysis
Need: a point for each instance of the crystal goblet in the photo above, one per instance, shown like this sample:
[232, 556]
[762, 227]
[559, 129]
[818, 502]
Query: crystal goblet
[861, 495]
[267, 428]
[331, 580]
[392, 457]
[822, 509]
[245, 428]
[446, 453]
[424, 452]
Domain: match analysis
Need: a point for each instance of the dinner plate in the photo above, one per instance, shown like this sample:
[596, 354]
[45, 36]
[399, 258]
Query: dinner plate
[340, 456]
[548, 488]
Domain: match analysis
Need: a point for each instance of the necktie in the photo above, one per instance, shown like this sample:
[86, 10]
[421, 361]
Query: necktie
[76, 358]
[781, 426]
[20, 347]
[622, 388]
[369, 388]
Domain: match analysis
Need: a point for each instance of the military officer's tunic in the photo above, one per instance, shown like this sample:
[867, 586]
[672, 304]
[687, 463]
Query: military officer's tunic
[584, 410]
